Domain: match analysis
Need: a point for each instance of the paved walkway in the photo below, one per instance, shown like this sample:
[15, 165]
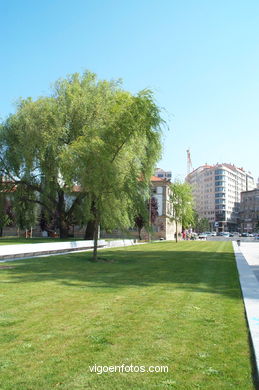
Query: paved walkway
[28, 251]
[247, 258]
[251, 253]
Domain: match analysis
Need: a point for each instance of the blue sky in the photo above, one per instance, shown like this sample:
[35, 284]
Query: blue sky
[201, 58]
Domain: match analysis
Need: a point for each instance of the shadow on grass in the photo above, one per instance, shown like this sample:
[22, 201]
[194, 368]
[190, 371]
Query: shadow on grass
[194, 270]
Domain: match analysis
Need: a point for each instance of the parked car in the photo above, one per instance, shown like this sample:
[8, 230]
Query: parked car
[225, 234]
[245, 234]
[213, 234]
[202, 236]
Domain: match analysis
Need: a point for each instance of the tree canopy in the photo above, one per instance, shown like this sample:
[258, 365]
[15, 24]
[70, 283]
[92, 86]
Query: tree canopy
[182, 201]
[85, 152]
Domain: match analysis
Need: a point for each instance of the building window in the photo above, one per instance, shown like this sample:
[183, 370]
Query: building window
[219, 200]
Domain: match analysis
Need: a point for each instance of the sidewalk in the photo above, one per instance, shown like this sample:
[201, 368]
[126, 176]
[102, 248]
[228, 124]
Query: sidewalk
[28, 251]
[247, 259]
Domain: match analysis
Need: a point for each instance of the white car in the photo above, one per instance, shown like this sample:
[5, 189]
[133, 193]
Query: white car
[202, 236]
[225, 234]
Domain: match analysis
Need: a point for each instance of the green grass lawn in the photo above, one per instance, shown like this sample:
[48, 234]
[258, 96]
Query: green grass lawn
[163, 304]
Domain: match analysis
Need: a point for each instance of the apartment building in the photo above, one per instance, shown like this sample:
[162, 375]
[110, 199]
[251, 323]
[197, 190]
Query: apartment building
[217, 193]
[249, 211]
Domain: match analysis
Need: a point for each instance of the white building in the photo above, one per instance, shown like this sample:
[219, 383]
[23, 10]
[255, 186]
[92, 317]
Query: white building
[163, 174]
[164, 227]
[217, 193]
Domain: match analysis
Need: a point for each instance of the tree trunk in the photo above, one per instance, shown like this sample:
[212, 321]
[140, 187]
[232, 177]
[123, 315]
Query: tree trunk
[1, 232]
[139, 233]
[96, 231]
[62, 223]
[89, 231]
[63, 228]
[176, 231]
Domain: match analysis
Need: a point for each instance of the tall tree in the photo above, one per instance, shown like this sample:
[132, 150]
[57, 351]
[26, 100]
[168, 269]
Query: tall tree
[182, 200]
[82, 115]
[114, 163]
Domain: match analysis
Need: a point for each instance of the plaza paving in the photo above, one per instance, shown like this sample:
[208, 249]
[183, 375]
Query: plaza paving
[247, 258]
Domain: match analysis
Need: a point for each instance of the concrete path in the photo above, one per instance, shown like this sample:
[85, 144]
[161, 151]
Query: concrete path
[251, 252]
[247, 258]
[28, 251]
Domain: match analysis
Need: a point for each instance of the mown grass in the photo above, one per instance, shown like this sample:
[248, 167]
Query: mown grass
[162, 304]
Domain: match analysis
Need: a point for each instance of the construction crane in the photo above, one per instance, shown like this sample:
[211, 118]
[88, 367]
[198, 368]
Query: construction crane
[189, 161]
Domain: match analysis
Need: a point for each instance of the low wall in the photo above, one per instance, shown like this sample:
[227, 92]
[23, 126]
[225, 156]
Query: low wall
[30, 250]
[118, 243]
[23, 250]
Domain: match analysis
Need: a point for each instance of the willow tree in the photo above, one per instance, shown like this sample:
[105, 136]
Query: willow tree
[33, 139]
[84, 152]
[114, 162]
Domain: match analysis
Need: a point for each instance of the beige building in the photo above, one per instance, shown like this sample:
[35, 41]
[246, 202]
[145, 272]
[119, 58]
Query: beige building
[163, 227]
[217, 193]
[249, 211]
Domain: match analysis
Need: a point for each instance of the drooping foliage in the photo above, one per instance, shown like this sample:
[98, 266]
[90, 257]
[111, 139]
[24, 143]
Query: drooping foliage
[84, 153]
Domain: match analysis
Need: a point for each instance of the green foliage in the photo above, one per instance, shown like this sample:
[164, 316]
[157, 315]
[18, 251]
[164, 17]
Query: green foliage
[114, 159]
[182, 201]
[200, 224]
[90, 133]
[25, 208]
[5, 215]
[146, 216]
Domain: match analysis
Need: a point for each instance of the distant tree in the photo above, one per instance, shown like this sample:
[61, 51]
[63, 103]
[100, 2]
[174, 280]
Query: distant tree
[140, 223]
[204, 224]
[154, 209]
[181, 200]
[142, 220]
[200, 224]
